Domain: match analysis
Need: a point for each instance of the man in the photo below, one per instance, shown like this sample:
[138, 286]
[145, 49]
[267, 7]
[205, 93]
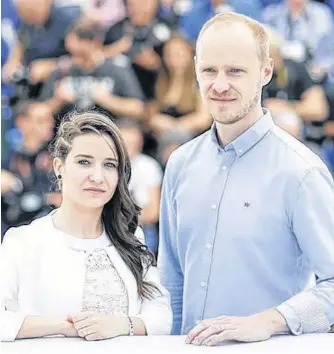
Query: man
[302, 23]
[200, 11]
[92, 79]
[27, 173]
[141, 36]
[295, 102]
[41, 38]
[247, 211]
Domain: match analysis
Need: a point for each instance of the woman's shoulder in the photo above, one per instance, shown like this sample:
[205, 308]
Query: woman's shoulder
[28, 234]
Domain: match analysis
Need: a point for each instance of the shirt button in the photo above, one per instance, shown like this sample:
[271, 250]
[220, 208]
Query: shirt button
[224, 168]
[214, 206]
[240, 151]
[208, 246]
[203, 284]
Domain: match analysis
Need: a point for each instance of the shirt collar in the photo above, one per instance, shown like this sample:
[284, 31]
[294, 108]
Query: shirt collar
[250, 137]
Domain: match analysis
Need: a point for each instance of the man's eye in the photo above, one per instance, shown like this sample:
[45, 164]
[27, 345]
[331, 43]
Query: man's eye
[208, 70]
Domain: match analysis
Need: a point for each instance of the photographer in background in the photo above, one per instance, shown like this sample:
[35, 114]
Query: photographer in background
[296, 103]
[27, 173]
[145, 182]
[93, 79]
[141, 36]
[41, 39]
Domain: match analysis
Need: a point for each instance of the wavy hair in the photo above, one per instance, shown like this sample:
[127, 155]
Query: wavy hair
[120, 213]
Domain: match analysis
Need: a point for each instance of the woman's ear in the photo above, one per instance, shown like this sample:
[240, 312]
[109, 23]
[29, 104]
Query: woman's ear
[58, 167]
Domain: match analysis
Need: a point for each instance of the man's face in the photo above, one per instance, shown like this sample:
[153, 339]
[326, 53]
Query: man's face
[297, 3]
[41, 121]
[34, 12]
[142, 12]
[79, 48]
[229, 72]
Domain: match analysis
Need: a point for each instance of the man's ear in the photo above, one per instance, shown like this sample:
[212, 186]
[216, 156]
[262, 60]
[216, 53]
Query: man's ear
[268, 69]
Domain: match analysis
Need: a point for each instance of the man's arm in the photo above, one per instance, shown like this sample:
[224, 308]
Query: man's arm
[313, 105]
[119, 106]
[127, 98]
[14, 62]
[312, 219]
[168, 263]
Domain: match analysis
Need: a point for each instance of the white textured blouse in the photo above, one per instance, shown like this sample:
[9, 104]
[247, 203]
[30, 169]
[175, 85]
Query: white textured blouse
[103, 290]
[47, 272]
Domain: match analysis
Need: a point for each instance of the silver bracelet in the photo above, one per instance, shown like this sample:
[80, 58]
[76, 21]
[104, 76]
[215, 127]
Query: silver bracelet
[131, 326]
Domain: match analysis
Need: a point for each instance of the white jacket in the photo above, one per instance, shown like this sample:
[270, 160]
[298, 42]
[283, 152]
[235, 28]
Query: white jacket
[39, 277]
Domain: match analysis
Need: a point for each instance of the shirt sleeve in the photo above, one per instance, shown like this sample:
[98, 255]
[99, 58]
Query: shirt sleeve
[127, 84]
[312, 219]
[49, 87]
[304, 79]
[11, 316]
[168, 262]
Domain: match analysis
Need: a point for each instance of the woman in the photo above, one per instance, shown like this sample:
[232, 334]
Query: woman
[178, 104]
[82, 270]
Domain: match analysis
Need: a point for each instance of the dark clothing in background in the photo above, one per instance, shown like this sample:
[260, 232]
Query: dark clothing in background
[48, 41]
[298, 81]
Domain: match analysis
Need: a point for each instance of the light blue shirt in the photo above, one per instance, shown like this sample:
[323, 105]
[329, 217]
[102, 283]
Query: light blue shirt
[244, 229]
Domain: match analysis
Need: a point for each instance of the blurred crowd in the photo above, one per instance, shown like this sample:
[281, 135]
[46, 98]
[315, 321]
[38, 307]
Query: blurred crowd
[134, 60]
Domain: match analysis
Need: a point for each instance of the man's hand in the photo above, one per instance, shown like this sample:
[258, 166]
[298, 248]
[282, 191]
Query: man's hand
[254, 328]
[7, 181]
[9, 69]
[95, 326]
[277, 106]
[99, 92]
[41, 69]
[148, 59]
[64, 92]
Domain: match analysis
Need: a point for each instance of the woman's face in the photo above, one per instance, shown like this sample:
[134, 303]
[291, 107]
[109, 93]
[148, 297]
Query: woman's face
[177, 55]
[89, 176]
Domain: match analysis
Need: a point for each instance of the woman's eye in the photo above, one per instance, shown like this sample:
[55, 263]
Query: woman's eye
[83, 162]
[236, 71]
[110, 165]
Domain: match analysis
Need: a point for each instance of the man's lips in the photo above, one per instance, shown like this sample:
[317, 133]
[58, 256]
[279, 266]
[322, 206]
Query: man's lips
[223, 99]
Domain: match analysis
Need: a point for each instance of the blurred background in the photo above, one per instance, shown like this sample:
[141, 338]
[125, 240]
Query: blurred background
[134, 60]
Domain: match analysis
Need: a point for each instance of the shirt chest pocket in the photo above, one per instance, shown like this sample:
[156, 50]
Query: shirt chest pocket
[259, 219]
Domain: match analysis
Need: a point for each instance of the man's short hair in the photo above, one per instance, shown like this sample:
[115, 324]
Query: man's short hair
[87, 30]
[257, 29]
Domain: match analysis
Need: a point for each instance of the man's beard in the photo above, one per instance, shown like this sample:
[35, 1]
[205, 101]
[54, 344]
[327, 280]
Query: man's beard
[236, 117]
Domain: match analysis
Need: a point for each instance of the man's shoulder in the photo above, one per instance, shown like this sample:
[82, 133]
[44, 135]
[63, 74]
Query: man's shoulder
[294, 153]
[272, 10]
[181, 155]
[115, 66]
[318, 8]
[65, 14]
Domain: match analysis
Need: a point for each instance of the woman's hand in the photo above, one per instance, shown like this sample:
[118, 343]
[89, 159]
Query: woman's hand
[95, 326]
